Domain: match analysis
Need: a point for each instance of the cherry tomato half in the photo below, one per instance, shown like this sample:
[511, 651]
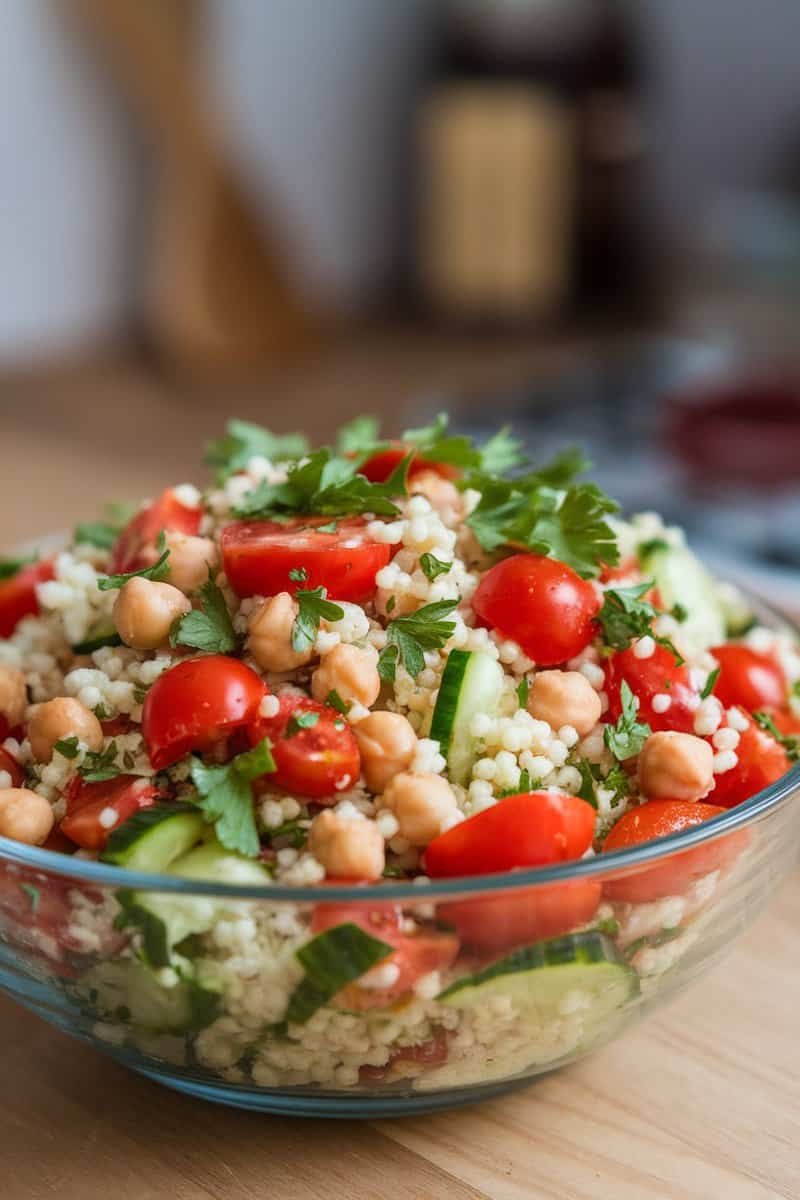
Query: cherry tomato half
[15, 769]
[539, 603]
[258, 556]
[649, 677]
[380, 466]
[196, 704]
[498, 922]
[760, 761]
[18, 594]
[657, 819]
[90, 805]
[416, 954]
[530, 829]
[319, 759]
[753, 680]
[141, 532]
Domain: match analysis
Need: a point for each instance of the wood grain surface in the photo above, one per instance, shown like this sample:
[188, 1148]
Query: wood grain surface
[699, 1102]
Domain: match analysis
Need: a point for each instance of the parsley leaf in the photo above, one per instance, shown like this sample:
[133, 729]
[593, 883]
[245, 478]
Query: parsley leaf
[67, 747]
[592, 777]
[408, 637]
[299, 721]
[225, 797]
[159, 570]
[359, 436]
[433, 567]
[710, 683]
[435, 443]
[9, 567]
[501, 453]
[325, 483]
[523, 691]
[334, 700]
[679, 613]
[209, 628]
[790, 743]
[291, 831]
[625, 616]
[103, 534]
[313, 607]
[99, 766]
[33, 894]
[564, 468]
[525, 784]
[243, 441]
[298, 574]
[626, 738]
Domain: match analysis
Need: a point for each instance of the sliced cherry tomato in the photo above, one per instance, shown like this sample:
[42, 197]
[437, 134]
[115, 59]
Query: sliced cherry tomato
[753, 680]
[416, 954]
[258, 556]
[498, 922]
[141, 532]
[380, 466]
[91, 807]
[649, 677]
[18, 594]
[760, 761]
[115, 726]
[657, 819]
[15, 769]
[425, 1054]
[196, 704]
[317, 760]
[527, 830]
[539, 603]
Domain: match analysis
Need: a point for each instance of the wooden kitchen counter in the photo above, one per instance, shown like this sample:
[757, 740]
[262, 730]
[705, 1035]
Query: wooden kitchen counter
[700, 1102]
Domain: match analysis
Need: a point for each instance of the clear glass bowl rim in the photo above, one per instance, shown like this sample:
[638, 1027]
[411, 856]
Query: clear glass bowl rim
[617, 861]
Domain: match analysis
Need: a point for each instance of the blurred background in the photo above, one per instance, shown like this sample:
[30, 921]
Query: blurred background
[582, 216]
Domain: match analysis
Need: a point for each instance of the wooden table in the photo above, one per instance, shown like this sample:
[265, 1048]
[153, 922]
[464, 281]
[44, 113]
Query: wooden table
[701, 1102]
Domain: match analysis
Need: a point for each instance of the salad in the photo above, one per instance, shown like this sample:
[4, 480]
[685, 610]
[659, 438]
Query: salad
[410, 660]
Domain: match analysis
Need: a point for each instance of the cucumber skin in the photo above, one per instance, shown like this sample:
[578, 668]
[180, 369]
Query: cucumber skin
[458, 690]
[444, 714]
[97, 643]
[123, 842]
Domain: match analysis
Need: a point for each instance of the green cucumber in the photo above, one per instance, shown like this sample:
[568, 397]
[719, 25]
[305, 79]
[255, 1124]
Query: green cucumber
[331, 960]
[538, 977]
[472, 683]
[102, 634]
[154, 837]
[128, 991]
[682, 579]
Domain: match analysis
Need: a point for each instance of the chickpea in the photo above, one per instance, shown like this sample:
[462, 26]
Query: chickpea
[441, 493]
[422, 803]
[270, 635]
[350, 671]
[190, 559]
[564, 698]
[144, 611]
[25, 816]
[676, 766]
[13, 697]
[387, 742]
[62, 718]
[347, 847]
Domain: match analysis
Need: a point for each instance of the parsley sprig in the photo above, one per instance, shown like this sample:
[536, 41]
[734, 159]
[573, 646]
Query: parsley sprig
[225, 797]
[209, 628]
[592, 777]
[626, 615]
[312, 608]
[435, 442]
[407, 638]
[158, 571]
[101, 765]
[626, 738]
[327, 484]
[243, 441]
[790, 742]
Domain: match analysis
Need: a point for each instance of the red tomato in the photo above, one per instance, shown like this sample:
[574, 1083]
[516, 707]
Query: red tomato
[649, 677]
[531, 829]
[657, 819]
[318, 761]
[498, 922]
[15, 770]
[539, 603]
[416, 954]
[18, 594]
[87, 802]
[114, 726]
[258, 556]
[753, 680]
[426, 1054]
[380, 466]
[141, 532]
[761, 761]
[196, 704]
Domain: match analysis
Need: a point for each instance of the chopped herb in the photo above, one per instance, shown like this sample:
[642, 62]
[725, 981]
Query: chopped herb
[159, 570]
[525, 784]
[33, 894]
[433, 567]
[790, 743]
[625, 615]
[609, 926]
[243, 441]
[589, 773]
[646, 548]
[325, 483]
[391, 604]
[298, 574]
[313, 607]
[501, 453]
[435, 443]
[334, 700]
[523, 691]
[331, 527]
[209, 628]
[292, 831]
[626, 738]
[101, 712]
[617, 782]
[710, 683]
[67, 747]
[101, 765]
[592, 777]
[408, 637]
[679, 613]
[226, 796]
[359, 436]
[9, 567]
[139, 694]
[300, 721]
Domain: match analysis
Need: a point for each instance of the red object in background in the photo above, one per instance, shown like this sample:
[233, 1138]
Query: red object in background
[18, 594]
[380, 466]
[541, 604]
[319, 761]
[749, 679]
[141, 532]
[760, 761]
[257, 557]
[499, 922]
[738, 431]
[87, 802]
[649, 677]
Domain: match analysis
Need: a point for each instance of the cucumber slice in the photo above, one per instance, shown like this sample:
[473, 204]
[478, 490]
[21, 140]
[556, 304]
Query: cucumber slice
[127, 990]
[154, 837]
[101, 635]
[682, 579]
[331, 960]
[472, 683]
[539, 977]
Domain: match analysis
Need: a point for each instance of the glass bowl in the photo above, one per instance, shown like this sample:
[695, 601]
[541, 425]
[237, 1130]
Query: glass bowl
[541, 976]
